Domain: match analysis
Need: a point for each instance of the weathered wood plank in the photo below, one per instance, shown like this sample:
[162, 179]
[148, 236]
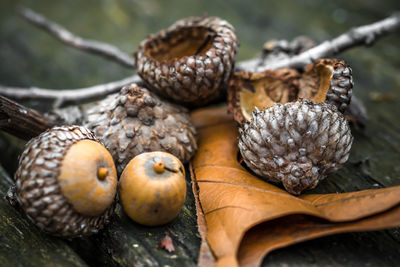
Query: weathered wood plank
[22, 244]
[122, 243]
[128, 243]
[354, 249]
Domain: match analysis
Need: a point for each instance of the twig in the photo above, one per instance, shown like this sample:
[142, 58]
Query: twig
[20, 121]
[65, 96]
[363, 35]
[68, 38]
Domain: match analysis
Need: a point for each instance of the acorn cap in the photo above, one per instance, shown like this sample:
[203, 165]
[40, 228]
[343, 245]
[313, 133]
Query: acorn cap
[152, 188]
[326, 80]
[296, 144]
[191, 61]
[66, 182]
[136, 121]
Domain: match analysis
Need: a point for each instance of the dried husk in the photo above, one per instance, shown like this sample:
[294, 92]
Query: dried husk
[326, 80]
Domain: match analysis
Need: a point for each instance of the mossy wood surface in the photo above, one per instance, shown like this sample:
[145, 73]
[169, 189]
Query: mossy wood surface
[30, 57]
[21, 242]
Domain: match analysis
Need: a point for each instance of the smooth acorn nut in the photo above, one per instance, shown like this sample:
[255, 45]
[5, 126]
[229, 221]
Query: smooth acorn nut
[152, 188]
[66, 182]
[190, 62]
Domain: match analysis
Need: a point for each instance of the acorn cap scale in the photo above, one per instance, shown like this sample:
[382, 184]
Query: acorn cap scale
[296, 144]
[135, 121]
[191, 61]
[57, 182]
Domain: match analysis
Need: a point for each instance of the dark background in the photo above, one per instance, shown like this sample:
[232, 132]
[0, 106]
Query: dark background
[29, 57]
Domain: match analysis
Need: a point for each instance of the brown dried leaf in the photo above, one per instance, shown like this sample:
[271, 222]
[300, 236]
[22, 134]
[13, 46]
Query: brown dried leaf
[167, 244]
[206, 257]
[288, 230]
[239, 208]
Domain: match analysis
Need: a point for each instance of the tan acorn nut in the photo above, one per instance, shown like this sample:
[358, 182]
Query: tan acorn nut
[191, 61]
[66, 182]
[296, 144]
[152, 188]
[326, 80]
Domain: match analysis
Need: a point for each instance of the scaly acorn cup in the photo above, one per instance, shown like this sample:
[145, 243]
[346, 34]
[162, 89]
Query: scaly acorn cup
[152, 188]
[132, 122]
[326, 80]
[135, 121]
[296, 144]
[66, 182]
[191, 61]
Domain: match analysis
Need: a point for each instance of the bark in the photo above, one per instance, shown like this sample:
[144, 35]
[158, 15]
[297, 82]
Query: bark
[21, 121]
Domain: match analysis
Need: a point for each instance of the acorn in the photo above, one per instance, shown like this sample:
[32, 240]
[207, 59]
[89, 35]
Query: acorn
[152, 188]
[292, 130]
[134, 121]
[66, 182]
[190, 62]
[326, 80]
[296, 144]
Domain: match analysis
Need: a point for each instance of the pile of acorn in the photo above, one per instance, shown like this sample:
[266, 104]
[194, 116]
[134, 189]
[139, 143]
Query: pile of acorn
[291, 126]
[67, 184]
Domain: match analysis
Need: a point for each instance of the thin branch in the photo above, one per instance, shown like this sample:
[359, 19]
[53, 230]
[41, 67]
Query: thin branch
[21, 121]
[363, 35]
[65, 96]
[68, 38]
